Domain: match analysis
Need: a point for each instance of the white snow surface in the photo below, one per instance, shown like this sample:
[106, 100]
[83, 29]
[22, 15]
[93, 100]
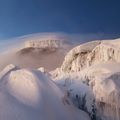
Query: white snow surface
[94, 65]
[30, 95]
[91, 69]
[74, 83]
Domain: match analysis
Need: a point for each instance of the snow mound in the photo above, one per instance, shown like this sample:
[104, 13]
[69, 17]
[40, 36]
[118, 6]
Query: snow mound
[106, 51]
[109, 90]
[30, 95]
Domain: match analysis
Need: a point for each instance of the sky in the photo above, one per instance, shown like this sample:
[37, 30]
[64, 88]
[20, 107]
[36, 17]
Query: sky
[22, 17]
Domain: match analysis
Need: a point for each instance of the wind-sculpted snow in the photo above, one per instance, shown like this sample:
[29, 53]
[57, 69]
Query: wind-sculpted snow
[95, 64]
[105, 52]
[91, 53]
[100, 83]
[6, 70]
[30, 95]
[104, 80]
[75, 60]
[88, 80]
[74, 84]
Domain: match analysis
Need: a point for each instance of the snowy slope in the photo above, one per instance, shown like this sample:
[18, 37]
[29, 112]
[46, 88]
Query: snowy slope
[94, 69]
[104, 79]
[100, 82]
[30, 95]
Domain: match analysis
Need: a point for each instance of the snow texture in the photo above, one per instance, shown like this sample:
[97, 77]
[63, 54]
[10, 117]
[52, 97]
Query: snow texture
[30, 95]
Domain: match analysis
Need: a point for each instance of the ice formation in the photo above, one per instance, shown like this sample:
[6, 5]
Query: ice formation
[96, 64]
[85, 86]
[91, 53]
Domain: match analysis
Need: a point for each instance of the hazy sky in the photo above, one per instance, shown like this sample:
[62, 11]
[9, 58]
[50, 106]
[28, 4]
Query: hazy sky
[20, 17]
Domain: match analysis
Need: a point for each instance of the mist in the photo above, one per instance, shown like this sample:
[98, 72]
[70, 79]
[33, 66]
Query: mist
[10, 48]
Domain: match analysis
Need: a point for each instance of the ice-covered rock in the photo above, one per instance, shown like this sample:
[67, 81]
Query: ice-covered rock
[97, 64]
[104, 80]
[106, 51]
[91, 53]
[75, 60]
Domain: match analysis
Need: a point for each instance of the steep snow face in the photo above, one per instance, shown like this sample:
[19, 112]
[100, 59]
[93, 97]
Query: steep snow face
[94, 52]
[105, 83]
[75, 60]
[104, 79]
[106, 51]
[73, 83]
[99, 82]
[97, 65]
[30, 95]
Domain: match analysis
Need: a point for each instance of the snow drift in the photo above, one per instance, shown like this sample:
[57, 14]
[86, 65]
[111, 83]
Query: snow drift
[30, 95]
[105, 83]
[76, 59]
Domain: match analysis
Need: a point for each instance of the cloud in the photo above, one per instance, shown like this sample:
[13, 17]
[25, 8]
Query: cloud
[18, 42]
[9, 48]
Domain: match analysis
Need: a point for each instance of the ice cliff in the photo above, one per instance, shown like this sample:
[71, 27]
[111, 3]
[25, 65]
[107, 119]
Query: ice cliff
[96, 64]
[91, 53]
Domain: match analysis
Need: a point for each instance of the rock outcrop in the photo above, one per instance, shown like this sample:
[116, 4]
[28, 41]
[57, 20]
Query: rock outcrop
[96, 63]
[47, 43]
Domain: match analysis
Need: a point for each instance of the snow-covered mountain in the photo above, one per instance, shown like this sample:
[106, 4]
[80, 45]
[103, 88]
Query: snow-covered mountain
[91, 53]
[51, 84]
[96, 64]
